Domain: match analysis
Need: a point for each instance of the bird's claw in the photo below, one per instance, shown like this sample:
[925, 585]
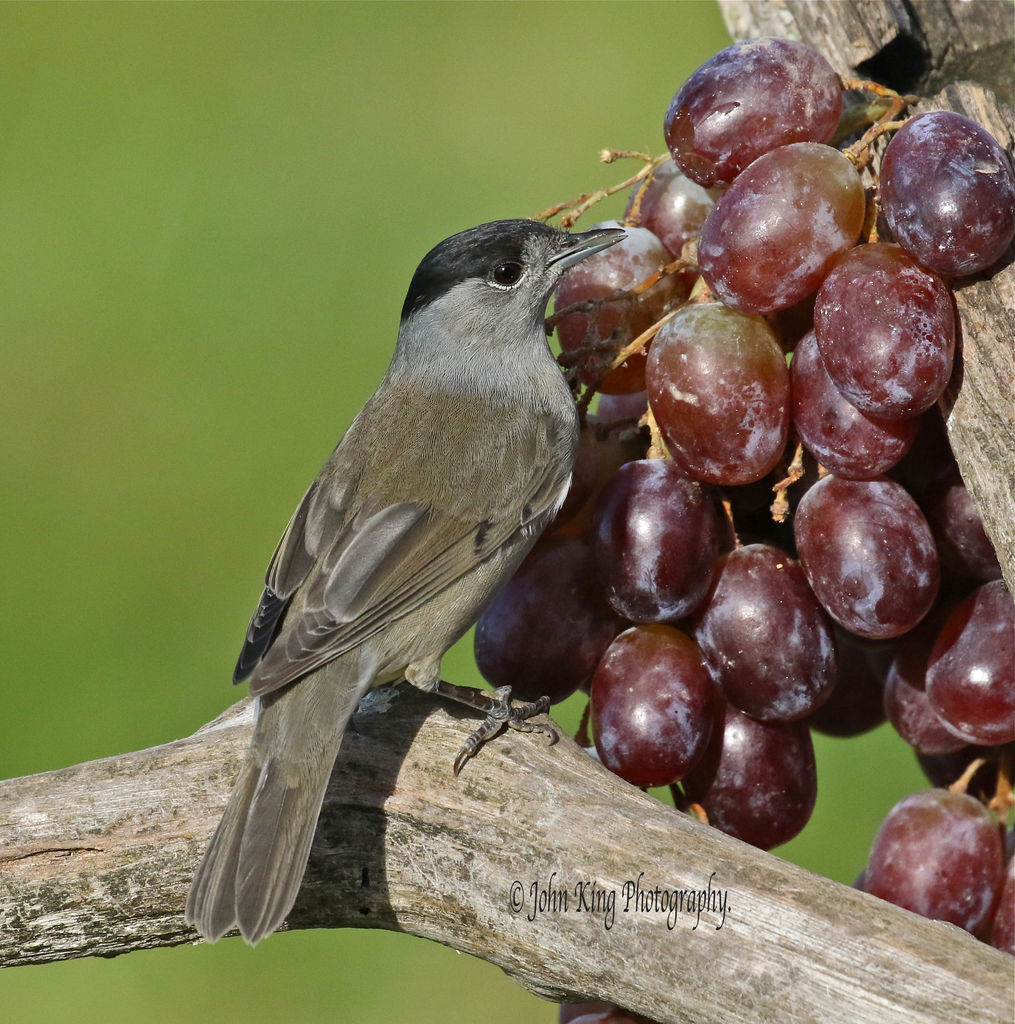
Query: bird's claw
[501, 713]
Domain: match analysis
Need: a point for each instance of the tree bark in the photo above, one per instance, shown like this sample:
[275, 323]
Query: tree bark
[97, 860]
[913, 46]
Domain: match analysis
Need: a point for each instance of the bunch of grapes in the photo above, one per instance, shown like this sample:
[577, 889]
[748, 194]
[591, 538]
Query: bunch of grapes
[767, 532]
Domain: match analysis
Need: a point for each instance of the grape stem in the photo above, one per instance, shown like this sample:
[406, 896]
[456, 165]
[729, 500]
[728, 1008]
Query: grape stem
[657, 447]
[961, 784]
[639, 343]
[620, 295]
[573, 360]
[795, 470]
[634, 214]
[727, 508]
[1003, 799]
[859, 153]
[875, 88]
[880, 116]
[587, 200]
[869, 231]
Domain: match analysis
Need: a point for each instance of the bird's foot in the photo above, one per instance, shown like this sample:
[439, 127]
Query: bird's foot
[500, 711]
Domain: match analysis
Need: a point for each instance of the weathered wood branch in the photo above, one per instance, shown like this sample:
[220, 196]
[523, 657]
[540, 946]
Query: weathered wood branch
[916, 46]
[97, 860]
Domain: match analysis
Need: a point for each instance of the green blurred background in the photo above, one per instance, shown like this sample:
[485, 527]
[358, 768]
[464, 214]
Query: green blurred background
[209, 216]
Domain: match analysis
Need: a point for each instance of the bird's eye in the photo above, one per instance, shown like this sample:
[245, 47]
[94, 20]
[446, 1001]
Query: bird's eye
[507, 274]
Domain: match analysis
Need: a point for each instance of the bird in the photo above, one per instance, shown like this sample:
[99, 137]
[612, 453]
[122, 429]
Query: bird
[433, 496]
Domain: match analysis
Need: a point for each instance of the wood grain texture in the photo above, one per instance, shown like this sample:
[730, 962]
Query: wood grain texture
[97, 860]
[915, 46]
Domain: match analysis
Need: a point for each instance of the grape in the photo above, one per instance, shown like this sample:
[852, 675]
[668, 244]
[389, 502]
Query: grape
[962, 542]
[614, 408]
[622, 266]
[544, 632]
[655, 541]
[774, 235]
[719, 388]
[653, 705]
[971, 672]
[746, 100]
[914, 719]
[601, 452]
[886, 331]
[793, 322]
[948, 193]
[906, 702]
[816, 597]
[929, 458]
[868, 554]
[764, 636]
[850, 443]
[1002, 935]
[938, 854]
[944, 770]
[856, 704]
[673, 207]
[757, 780]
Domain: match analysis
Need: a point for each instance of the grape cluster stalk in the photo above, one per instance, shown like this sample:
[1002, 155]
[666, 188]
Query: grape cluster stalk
[768, 533]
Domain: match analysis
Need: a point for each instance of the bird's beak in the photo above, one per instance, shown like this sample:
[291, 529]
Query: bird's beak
[579, 247]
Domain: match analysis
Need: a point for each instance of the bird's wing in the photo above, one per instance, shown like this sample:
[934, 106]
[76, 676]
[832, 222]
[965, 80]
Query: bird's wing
[337, 579]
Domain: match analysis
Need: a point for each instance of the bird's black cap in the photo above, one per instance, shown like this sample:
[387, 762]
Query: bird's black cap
[471, 253]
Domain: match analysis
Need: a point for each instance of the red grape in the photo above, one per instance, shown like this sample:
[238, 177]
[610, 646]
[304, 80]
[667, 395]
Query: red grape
[653, 705]
[868, 554]
[906, 702]
[886, 331]
[655, 541]
[948, 193]
[673, 207]
[944, 770]
[938, 854]
[962, 542]
[757, 780]
[614, 408]
[856, 704]
[719, 387]
[764, 636]
[544, 632]
[748, 99]
[622, 266]
[929, 458]
[971, 672]
[1002, 935]
[583, 477]
[850, 443]
[772, 238]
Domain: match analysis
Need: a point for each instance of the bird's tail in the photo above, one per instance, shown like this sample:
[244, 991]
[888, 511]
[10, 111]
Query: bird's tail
[253, 867]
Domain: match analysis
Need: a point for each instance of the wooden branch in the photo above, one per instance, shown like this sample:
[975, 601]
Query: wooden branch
[918, 46]
[97, 860]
